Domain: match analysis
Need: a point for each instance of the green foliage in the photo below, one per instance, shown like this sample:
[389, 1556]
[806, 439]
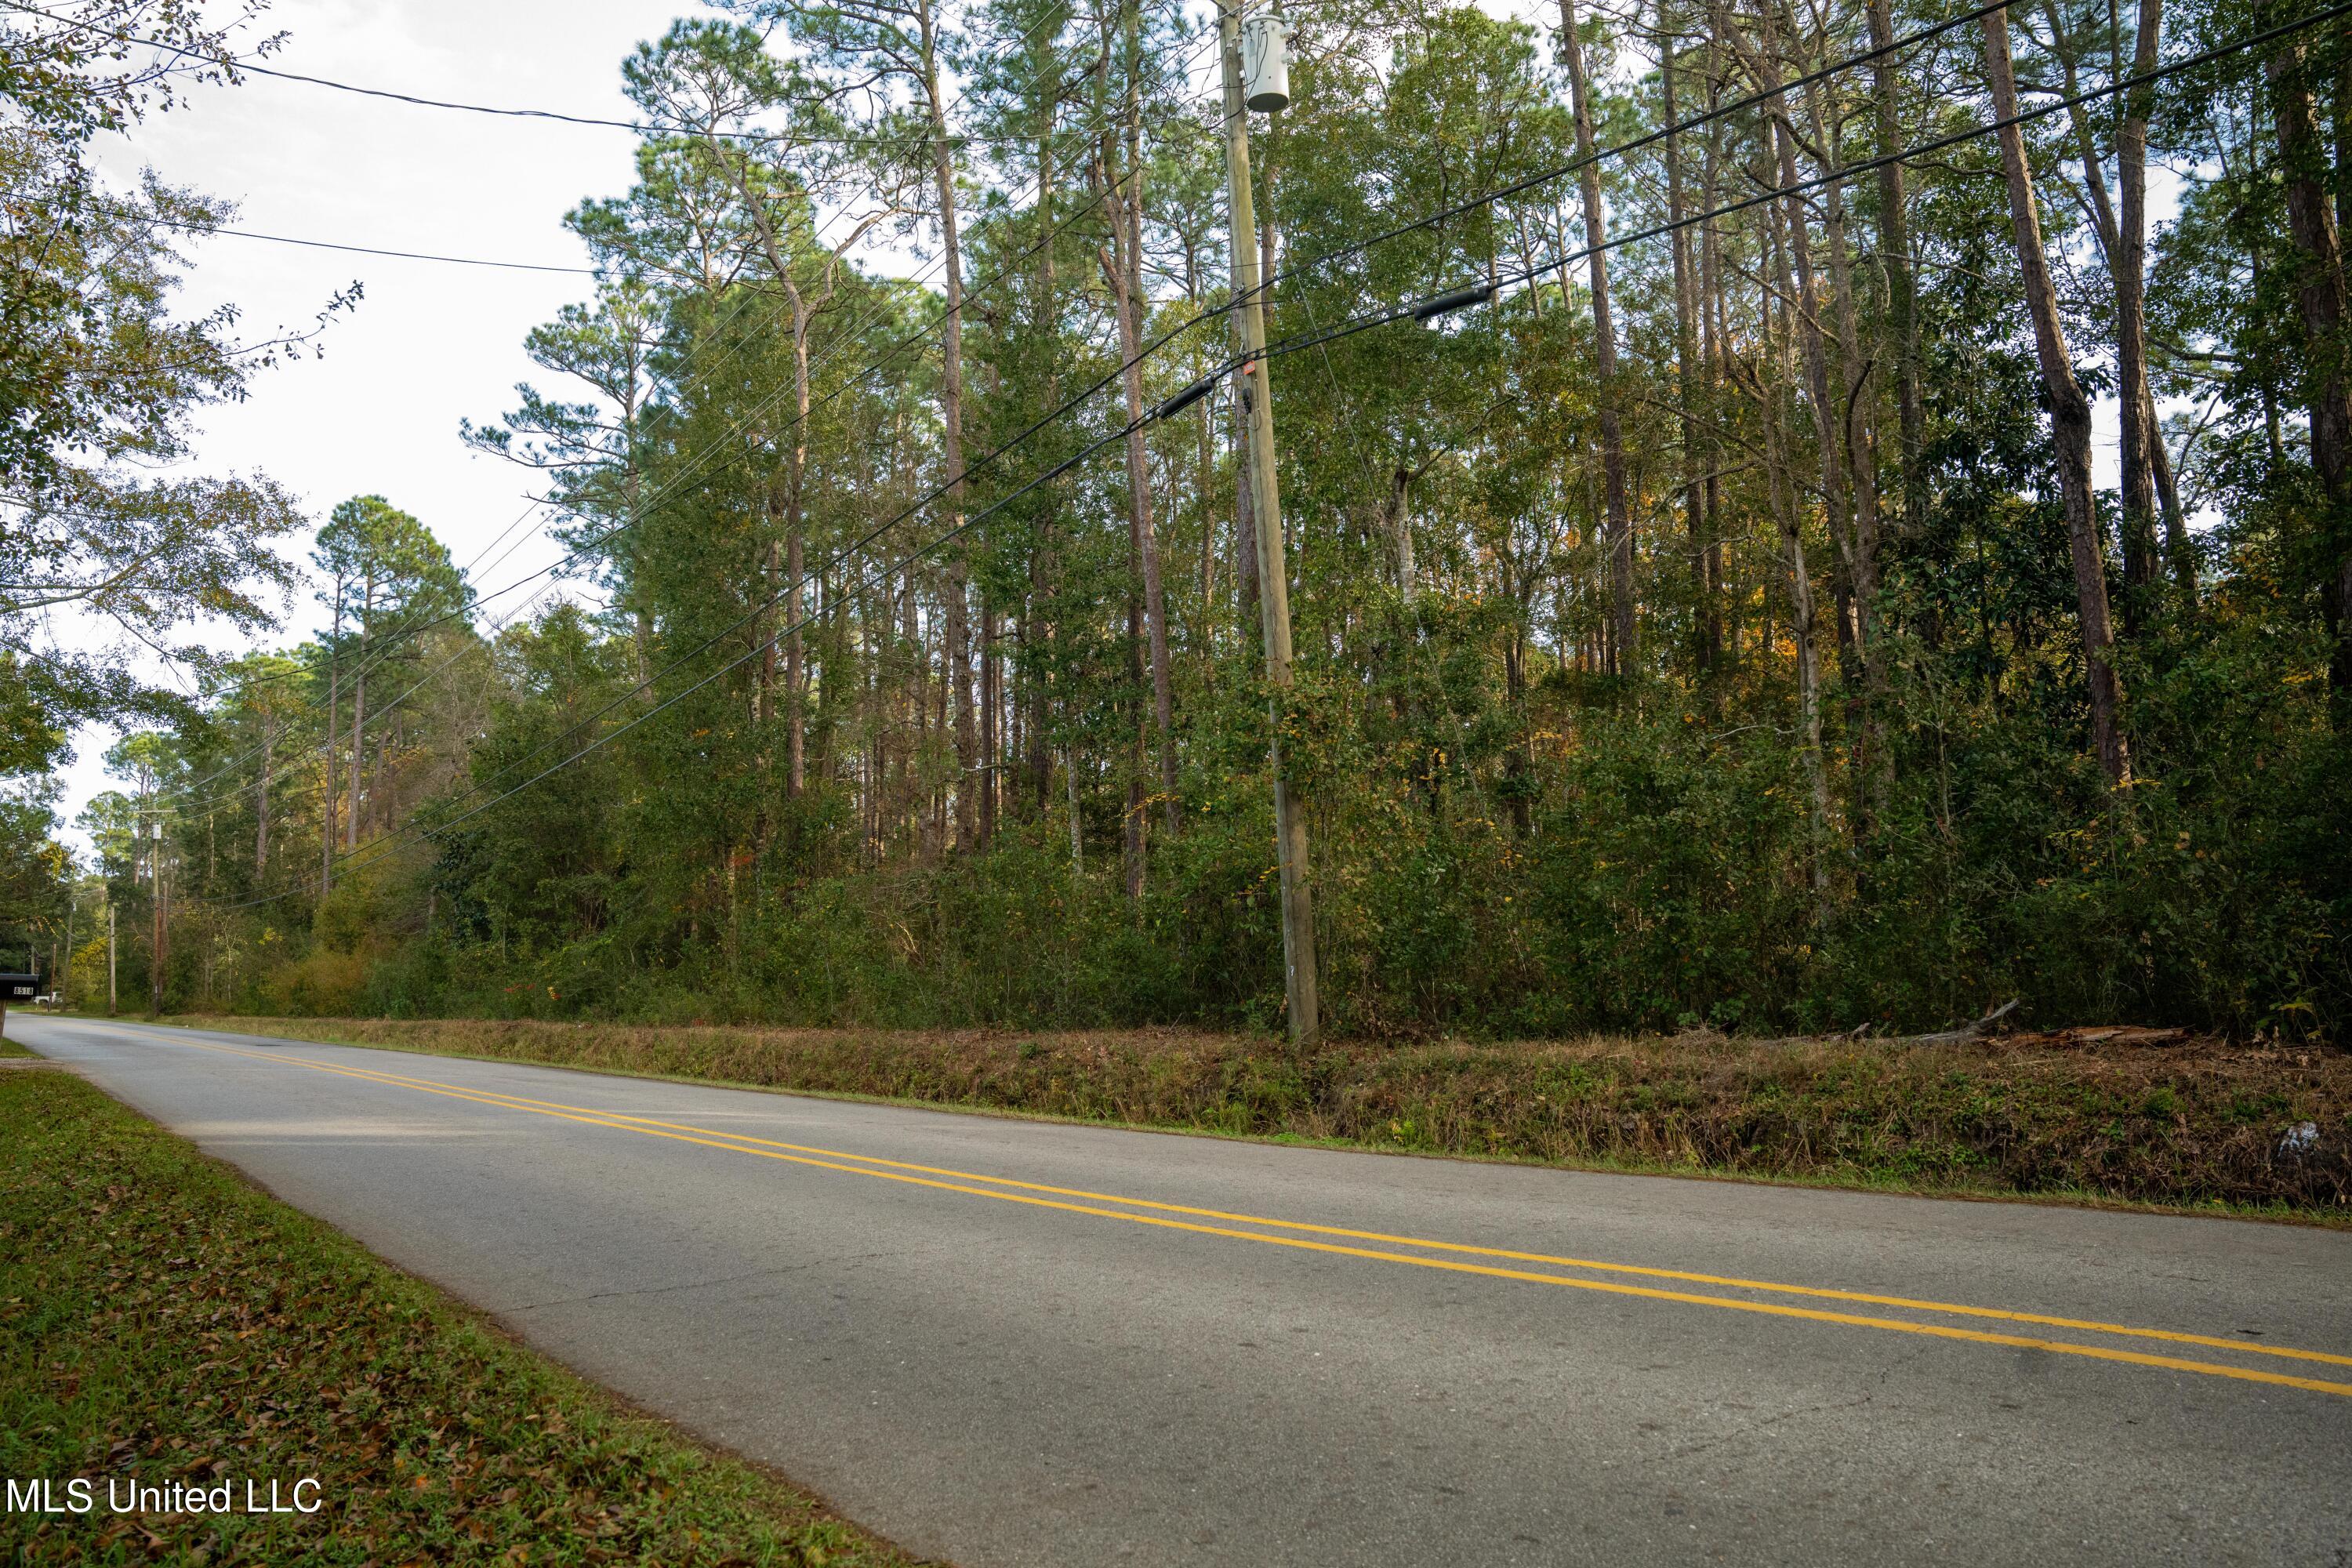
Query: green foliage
[867, 727]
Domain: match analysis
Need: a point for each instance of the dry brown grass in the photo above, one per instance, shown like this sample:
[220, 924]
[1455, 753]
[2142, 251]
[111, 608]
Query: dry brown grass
[2175, 1122]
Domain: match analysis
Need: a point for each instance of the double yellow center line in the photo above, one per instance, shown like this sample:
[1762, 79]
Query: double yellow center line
[1377, 1246]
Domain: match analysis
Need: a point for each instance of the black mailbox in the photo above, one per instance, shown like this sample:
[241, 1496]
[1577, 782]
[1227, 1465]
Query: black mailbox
[18, 988]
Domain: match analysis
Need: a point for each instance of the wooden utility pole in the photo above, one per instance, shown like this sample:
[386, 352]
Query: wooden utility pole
[1627, 644]
[155, 964]
[1255, 388]
[327, 749]
[111, 1002]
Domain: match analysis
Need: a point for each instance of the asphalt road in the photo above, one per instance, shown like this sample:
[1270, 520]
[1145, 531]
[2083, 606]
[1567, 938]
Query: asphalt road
[1010, 1342]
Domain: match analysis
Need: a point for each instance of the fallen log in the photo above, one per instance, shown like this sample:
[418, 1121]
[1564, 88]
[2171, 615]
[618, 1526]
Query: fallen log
[1965, 1033]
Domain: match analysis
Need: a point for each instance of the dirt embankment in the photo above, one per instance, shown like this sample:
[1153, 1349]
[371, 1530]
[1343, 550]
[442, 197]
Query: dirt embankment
[2138, 1115]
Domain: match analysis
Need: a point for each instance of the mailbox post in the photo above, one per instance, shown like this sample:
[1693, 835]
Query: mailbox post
[16, 988]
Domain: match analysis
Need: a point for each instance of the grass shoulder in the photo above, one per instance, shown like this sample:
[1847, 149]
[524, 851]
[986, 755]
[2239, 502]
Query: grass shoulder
[2196, 1125]
[161, 1320]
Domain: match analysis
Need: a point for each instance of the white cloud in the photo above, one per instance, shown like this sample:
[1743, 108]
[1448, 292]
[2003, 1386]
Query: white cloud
[430, 343]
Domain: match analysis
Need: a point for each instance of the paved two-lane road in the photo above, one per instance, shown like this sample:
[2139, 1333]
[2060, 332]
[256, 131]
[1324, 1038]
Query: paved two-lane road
[1011, 1342]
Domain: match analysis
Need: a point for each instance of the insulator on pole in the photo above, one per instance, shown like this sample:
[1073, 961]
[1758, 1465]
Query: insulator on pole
[1266, 63]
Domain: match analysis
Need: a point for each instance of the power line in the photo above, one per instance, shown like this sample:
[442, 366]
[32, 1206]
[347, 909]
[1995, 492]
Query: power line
[383, 847]
[640, 509]
[1371, 318]
[1364, 322]
[1664, 133]
[233, 65]
[1358, 246]
[372, 250]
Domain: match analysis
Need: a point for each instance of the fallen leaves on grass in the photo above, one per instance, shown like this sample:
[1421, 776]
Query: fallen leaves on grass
[160, 1320]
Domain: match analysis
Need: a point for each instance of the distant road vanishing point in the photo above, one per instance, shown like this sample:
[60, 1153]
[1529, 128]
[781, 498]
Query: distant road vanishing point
[1003, 1343]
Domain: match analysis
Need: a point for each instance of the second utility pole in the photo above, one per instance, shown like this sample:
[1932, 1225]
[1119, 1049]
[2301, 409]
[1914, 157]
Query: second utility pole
[155, 962]
[1273, 581]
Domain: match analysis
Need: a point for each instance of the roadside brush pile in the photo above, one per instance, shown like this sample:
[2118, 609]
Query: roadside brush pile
[2132, 1115]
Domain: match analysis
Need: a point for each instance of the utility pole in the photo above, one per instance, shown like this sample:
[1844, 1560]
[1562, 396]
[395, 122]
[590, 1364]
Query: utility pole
[1255, 389]
[110, 1003]
[155, 964]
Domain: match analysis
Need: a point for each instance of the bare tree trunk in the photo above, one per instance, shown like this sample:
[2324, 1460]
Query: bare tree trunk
[1612, 435]
[795, 661]
[2320, 296]
[1715, 354]
[990, 731]
[1805, 302]
[2141, 442]
[1205, 634]
[1245, 512]
[957, 652]
[2124, 242]
[156, 960]
[1790, 522]
[2070, 417]
[1704, 627]
[359, 717]
[1894, 255]
[1125, 271]
[1044, 565]
[1852, 426]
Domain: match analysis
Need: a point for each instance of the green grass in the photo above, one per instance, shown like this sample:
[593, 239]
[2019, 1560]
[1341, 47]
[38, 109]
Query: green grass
[160, 1319]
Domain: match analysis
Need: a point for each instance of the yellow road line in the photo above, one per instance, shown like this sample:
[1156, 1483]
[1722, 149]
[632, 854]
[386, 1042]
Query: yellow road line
[1385, 1238]
[768, 1149]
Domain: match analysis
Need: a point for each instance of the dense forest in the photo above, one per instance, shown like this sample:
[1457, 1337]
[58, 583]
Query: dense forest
[1794, 517]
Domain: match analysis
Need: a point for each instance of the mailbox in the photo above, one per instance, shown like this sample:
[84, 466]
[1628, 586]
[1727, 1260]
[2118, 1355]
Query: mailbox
[18, 988]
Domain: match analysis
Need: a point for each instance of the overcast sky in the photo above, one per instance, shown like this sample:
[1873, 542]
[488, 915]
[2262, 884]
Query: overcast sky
[430, 343]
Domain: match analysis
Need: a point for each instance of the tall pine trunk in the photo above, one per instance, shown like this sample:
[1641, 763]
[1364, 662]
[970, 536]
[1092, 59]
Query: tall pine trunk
[956, 651]
[2070, 417]
[1612, 433]
[2320, 300]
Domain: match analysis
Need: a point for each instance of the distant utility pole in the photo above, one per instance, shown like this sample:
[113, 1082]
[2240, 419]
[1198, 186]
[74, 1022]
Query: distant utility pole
[1255, 387]
[155, 964]
[110, 1003]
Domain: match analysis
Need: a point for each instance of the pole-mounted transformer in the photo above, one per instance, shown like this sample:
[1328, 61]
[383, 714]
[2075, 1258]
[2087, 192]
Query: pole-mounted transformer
[1266, 63]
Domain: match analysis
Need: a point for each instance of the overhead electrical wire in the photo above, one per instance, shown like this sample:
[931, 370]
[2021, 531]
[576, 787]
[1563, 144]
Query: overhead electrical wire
[385, 847]
[382, 848]
[373, 250]
[1428, 308]
[1371, 318]
[732, 348]
[1648, 139]
[640, 510]
[250, 68]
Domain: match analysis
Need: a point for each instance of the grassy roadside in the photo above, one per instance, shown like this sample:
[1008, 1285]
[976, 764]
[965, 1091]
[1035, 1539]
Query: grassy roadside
[161, 1320]
[2196, 1123]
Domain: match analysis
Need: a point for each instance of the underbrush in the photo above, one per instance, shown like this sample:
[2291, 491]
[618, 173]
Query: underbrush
[2195, 1121]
